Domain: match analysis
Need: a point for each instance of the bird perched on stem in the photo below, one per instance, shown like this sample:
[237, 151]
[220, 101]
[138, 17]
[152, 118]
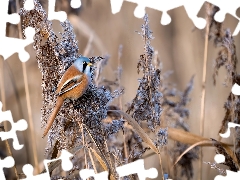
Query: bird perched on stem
[72, 85]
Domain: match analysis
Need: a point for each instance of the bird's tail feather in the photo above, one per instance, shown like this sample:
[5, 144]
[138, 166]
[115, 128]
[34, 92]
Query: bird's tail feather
[53, 115]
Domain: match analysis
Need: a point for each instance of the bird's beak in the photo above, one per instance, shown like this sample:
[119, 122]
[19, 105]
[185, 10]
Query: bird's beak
[90, 64]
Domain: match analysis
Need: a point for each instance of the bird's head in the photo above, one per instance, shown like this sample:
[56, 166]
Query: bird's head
[83, 64]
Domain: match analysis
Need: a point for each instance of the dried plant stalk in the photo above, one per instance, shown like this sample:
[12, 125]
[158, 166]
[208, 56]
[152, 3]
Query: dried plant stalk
[138, 130]
[202, 113]
[29, 109]
[184, 136]
[9, 152]
[230, 158]
[3, 97]
[205, 142]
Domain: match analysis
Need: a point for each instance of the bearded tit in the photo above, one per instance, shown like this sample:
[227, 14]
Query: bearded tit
[72, 85]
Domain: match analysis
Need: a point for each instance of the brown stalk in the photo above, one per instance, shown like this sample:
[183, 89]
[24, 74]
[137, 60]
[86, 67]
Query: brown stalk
[102, 154]
[31, 126]
[94, 166]
[203, 143]
[3, 109]
[9, 152]
[3, 96]
[137, 128]
[175, 134]
[101, 161]
[84, 150]
[231, 154]
[203, 95]
[184, 136]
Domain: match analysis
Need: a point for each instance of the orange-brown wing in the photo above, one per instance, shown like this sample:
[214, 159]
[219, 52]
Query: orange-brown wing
[70, 84]
[71, 78]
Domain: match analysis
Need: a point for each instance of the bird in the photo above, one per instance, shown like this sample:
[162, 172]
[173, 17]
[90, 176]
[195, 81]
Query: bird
[72, 85]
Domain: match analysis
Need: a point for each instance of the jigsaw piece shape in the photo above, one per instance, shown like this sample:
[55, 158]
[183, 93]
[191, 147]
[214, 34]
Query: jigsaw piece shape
[138, 168]
[66, 162]
[230, 176]
[236, 89]
[75, 4]
[229, 7]
[219, 158]
[28, 171]
[7, 162]
[66, 166]
[87, 173]
[29, 5]
[192, 9]
[21, 125]
[61, 15]
[5, 17]
[227, 133]
[9, 46]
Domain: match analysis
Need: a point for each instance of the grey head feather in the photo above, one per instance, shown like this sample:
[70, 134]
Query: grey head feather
[79, 65]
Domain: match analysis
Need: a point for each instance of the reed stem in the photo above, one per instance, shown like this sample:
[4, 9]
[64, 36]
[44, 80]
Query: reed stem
[203, 96]
[29, 109]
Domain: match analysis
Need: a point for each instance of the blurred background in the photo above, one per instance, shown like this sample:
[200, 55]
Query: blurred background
[180, 48]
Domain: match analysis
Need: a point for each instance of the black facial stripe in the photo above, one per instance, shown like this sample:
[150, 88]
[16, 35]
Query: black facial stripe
[84, 66]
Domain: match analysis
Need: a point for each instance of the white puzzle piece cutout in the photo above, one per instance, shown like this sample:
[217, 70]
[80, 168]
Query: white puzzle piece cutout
[53, 15]
[9, 46]
[66, 166]
[20, 125]
[7, 162]
[192, 8]
[136, 167]
[219, 158]
[76, 4]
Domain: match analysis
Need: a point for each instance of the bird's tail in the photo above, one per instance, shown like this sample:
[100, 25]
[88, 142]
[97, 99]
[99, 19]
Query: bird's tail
[53, 115]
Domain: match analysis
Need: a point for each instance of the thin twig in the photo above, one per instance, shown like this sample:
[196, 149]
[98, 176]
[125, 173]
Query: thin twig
[9, 151]
[126, 153]
[83, 141]
[2, 85]
[160, 162]
[3, 96]
[94, 166]
[29, 109]
[203, 96]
